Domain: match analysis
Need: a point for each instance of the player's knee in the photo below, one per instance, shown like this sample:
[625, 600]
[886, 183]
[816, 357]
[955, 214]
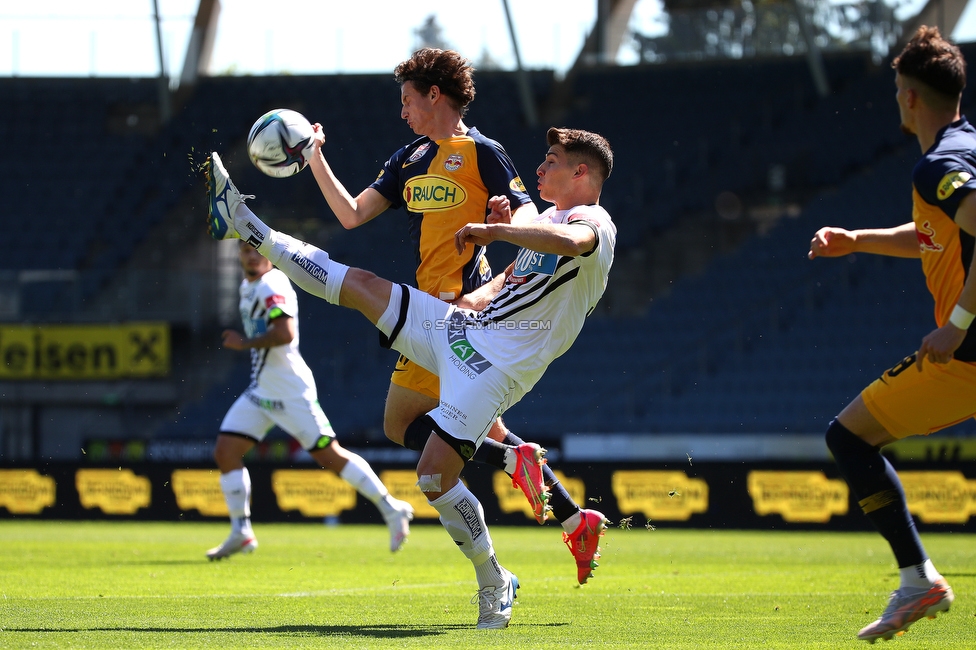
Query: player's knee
[417, 433]
[226, 459]
[429, 483]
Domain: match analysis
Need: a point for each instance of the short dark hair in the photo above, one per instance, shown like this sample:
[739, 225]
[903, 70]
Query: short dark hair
[591, 148]
[933, 61]
[446, 69]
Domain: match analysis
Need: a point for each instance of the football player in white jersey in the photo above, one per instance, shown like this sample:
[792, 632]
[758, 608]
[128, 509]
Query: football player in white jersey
[283, 393]
[490, 348]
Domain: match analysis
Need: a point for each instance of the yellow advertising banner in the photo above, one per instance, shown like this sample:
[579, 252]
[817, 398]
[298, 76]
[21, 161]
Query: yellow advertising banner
[199, 489]
[511, 499]
[114, 491]
[25, 491]
[402, 484]
[659, 494]
[797, 496]
[939, 497]
[312, 492]
[109, 351]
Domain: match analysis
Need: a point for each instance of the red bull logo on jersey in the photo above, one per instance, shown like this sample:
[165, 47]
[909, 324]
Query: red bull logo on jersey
[926, 238]
[432, 194]
[454, 162]
[950, 182]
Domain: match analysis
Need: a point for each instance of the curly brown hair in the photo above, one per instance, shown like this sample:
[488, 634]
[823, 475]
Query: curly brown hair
[446, 69]
[934, 61]
[590, 148]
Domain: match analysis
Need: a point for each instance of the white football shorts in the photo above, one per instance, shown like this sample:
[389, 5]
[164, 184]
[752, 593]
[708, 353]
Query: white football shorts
[472, 391]
[303, 419]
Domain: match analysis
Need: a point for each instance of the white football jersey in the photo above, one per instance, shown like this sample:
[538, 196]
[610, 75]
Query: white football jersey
[279, 371]
[541, 308]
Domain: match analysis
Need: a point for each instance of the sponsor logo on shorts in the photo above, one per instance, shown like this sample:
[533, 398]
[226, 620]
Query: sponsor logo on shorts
[467, 511]
[266, 404]
[466, 359]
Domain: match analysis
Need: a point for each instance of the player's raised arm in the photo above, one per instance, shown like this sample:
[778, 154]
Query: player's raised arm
[351, 212]
[559, 238]
[900, 241]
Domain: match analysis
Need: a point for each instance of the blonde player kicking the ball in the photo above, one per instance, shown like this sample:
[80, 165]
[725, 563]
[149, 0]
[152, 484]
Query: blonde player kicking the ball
[282, 392]
[484, 359]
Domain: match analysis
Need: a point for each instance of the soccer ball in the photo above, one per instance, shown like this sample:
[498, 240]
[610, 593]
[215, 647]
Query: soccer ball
[280, 143]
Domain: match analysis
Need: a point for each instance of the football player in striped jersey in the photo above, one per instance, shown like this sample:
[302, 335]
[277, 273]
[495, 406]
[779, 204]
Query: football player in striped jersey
[489, 350]
[282, 392]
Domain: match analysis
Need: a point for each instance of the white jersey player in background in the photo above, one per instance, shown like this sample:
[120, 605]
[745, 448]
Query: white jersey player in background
[490, 348]
[283, 393]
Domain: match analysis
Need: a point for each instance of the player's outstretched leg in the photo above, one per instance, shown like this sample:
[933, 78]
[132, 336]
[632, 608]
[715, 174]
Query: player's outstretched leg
[528, 477]
[584, 543]
[906, 606]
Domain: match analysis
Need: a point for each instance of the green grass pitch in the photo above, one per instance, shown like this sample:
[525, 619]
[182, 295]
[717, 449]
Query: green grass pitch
[148, 585]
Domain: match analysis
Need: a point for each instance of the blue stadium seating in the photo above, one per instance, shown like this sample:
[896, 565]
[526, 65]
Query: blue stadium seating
[762, 340]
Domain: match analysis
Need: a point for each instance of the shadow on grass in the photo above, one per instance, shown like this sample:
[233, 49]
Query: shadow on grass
[371, 631]
[187, 562]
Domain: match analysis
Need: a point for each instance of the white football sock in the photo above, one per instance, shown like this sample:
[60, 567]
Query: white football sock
[511, 461]
[236, 486]
[573, 522]
[248, 226]
[361, 476]
[305, 265]
[463, 517]
[919, 576]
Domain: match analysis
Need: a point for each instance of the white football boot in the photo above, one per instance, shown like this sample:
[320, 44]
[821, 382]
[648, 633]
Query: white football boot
[398, 521]
[239, 542]
[495, 603]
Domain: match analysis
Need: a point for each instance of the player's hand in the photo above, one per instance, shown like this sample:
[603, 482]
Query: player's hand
[318, 135]
[939, 345]
[478, 234]
[500, 210]
[831, 242]
[232, 340]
